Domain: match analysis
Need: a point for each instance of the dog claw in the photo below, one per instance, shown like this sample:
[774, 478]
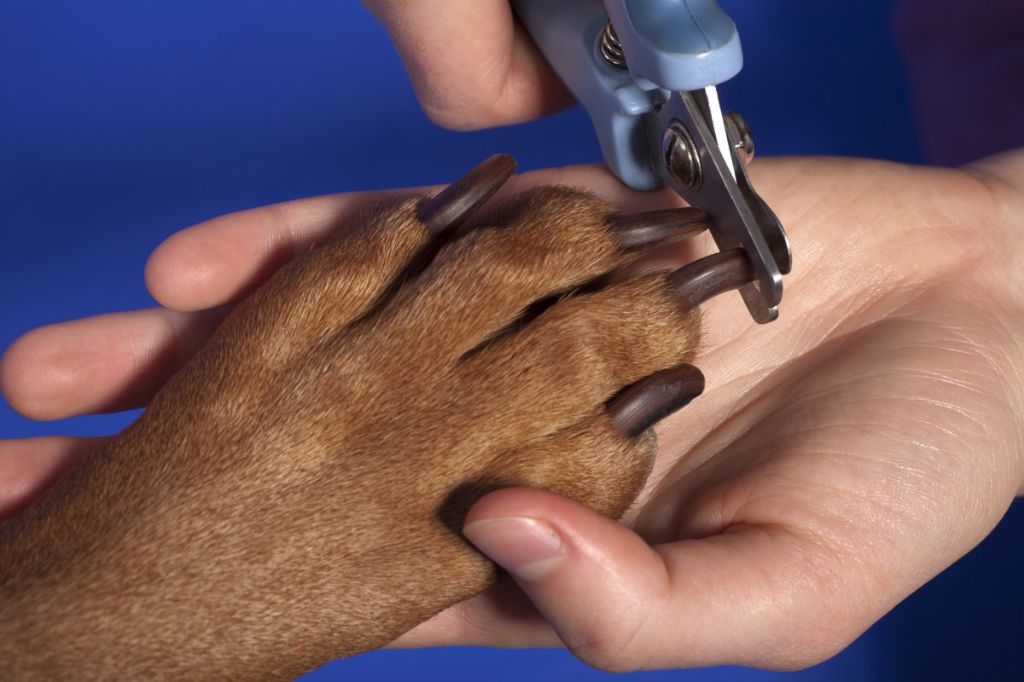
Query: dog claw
[708, 277]
[665, 258]
[640, 230]
[450, 207]
[642, 405]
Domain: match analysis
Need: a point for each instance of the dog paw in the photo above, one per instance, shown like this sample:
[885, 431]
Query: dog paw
[307, 472]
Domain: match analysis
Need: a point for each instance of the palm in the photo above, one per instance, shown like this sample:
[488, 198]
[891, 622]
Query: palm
[878, 399]
[853, 433]
[845, 440]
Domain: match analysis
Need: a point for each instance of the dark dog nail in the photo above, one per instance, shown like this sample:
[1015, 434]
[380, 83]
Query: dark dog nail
[710, 276]
[642, 405]
[641, 230]
[665, 258]
[454, 204]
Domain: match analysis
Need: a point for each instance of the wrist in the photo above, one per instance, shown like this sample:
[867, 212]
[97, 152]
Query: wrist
[1005, 292]
[1012, 265]
[997, 282]
[1003, 178]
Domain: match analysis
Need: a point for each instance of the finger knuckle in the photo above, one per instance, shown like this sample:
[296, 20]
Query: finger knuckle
[805, 654]
[460, 119]
[821, 615]
[811, 638]
[606, 658]
[613, 649]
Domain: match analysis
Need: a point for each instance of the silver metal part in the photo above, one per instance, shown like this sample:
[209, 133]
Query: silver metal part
[739, 217]
[704, 155]
[681, 156]
[611, 48]
[718, 127]
[740, 136]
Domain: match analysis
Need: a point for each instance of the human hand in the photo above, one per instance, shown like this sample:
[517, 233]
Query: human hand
[472, 64]
[839, 459]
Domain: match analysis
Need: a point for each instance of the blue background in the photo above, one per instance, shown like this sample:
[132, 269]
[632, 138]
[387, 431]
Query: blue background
[123, 121]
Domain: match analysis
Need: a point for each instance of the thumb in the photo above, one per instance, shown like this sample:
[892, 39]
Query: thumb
[594, 580]
[747, 596]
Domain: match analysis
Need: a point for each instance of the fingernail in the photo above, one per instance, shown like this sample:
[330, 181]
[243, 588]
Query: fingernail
[527, 548]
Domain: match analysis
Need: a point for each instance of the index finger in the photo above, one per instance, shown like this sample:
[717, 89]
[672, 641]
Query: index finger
[29, 465]
[471, 63]
[218, 261]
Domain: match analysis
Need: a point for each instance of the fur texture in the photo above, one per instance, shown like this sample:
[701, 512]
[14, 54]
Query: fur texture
[294, 494]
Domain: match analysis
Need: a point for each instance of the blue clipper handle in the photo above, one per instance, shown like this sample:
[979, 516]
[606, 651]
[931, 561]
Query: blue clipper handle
[678, 44]
[668, 45]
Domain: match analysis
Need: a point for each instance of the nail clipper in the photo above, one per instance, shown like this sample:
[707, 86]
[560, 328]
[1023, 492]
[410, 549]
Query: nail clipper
[646, 71]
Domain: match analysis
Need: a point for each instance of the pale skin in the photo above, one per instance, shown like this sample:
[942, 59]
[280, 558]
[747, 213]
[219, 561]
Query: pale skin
[840, 457]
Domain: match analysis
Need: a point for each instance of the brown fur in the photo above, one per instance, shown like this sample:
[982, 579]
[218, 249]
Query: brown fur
[293, 494]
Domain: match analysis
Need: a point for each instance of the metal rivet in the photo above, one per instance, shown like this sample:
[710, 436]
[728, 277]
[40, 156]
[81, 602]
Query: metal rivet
[740, 136]
[681, 155]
